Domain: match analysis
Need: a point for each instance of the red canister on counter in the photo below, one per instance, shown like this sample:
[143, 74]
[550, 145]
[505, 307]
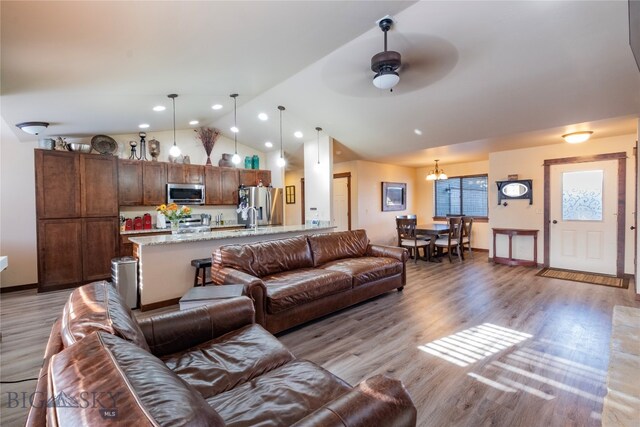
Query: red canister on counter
[146, 222]
[128, 224]
[137, 223]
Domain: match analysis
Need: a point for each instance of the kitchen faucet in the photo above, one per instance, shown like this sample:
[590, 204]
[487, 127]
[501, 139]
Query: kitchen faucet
[255, 218]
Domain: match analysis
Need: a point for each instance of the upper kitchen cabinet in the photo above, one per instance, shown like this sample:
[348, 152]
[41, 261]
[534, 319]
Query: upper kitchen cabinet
[264, 176]
[57, 184]
[229, 186]
[212, 185]
[154, 183]
[248, 177]
[178, 173]
[130, 182]
[99, 185]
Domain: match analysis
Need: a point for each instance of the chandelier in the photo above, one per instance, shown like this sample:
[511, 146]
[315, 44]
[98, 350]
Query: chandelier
[436, 174]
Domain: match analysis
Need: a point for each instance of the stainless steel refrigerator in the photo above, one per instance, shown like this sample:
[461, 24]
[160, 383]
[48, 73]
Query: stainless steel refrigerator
[267, 201]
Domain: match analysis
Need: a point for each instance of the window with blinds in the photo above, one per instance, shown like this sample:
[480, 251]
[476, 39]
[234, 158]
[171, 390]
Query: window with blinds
[462, 195]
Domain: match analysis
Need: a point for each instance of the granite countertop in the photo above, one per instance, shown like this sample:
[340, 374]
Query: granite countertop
[168, 230]
[167, 239]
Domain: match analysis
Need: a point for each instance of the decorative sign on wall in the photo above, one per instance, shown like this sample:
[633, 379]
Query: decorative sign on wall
[290, 194]
[394, 196]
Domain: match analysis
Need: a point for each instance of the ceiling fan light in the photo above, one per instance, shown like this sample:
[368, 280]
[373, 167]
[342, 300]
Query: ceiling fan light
[386, 79]
[577, 137]
[32, 128]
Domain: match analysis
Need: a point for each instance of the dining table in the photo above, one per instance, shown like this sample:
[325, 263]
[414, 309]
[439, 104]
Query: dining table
[432, 230]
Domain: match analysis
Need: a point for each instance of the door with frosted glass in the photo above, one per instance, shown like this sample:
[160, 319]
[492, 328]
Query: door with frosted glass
[584, 216]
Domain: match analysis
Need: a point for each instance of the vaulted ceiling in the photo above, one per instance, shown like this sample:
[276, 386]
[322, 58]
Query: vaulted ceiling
[476, 76]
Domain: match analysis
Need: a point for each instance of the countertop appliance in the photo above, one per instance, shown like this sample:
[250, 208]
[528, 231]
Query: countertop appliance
[266, 200]
[185, 194]
[206, 219]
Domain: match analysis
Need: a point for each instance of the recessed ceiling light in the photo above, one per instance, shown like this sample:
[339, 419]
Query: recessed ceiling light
[417, 131]
[234, 129]
[216, 106]
[263, 117]
[159, 108]
[577, 137]
[268, 144]
[143, 126]
[298, 134]
[193, 122]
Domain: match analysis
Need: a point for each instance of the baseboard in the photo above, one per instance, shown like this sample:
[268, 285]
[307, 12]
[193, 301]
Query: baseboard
[480, 250]
[159, 304]
[539, 265]
[17, 288]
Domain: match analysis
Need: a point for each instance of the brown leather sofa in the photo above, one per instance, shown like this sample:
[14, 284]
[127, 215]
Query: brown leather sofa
[292, 281]
[208, 366]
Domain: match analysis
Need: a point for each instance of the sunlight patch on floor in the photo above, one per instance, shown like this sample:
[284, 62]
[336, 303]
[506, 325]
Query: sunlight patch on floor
[471, 345]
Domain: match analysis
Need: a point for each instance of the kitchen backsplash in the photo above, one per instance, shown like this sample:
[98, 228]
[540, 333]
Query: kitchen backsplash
[229, 214]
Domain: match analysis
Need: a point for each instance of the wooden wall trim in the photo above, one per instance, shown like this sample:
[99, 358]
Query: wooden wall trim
[585, 159]
[622, 188]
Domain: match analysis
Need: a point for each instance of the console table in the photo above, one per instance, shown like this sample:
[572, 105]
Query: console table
[515, 232]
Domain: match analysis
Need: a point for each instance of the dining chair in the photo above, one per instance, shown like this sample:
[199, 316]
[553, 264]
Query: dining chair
[453, 238]
[407, 238]
[467, 223]
[415, 217]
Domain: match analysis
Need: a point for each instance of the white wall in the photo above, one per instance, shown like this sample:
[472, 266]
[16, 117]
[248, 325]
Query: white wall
[425, 208]
[318, 179]
[528, 164]
[17, 209]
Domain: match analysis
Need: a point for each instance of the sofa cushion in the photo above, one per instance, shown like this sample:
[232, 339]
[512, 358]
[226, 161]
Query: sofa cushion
[331, 246]
[280, 397]
[264, 258]
[292, 288]
[230, 360]
[103, 372]
[366, 269]
[98, 307]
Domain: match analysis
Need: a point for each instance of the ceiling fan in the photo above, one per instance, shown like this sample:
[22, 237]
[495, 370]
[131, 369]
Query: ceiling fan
[386, 64]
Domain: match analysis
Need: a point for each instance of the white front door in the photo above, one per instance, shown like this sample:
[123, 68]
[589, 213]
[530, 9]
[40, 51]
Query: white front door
[584, 207]
[341, 204]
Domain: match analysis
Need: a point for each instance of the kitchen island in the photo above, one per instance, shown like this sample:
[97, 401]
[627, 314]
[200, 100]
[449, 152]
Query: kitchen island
[165, 271]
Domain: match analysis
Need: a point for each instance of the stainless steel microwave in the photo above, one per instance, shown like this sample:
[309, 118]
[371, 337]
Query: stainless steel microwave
[185, 194]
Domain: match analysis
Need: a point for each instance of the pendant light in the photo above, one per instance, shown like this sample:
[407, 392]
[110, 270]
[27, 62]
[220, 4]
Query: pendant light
[318, 129]
[280, 162]
[436, 174]
[235, 158]
[175, 150]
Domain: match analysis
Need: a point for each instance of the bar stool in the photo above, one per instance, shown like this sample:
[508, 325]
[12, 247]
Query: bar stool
[201, 264]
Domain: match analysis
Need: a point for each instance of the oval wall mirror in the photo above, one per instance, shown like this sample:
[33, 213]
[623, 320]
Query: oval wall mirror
[515, 189]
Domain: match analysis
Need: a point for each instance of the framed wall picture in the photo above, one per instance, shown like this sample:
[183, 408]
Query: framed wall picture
[290, 194]
[394, 196]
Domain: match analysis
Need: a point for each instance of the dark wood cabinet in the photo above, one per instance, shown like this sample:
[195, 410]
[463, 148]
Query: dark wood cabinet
[99, 185]
[185, 174]
[130, 183]
[212, 185]
[154, 183]
[99, 247]
[59, 253]
[57, 184]
[248, 177]
[264, 176]
[229, 182]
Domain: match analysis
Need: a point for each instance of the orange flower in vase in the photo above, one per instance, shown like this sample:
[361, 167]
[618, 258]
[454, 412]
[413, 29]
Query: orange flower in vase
[174, 214]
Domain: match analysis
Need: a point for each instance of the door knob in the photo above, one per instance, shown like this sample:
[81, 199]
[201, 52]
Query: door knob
[554, 221]
[633, 227]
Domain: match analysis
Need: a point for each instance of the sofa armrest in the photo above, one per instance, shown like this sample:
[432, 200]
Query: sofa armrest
[378, 401]
[401, 254]
[169, 333]
[254, 288]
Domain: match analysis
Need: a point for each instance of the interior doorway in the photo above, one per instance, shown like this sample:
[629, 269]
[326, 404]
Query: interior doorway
[584, 209]
[341, 214]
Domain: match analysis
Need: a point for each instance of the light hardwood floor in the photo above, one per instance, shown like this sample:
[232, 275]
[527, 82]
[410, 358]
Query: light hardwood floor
[475, 344]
